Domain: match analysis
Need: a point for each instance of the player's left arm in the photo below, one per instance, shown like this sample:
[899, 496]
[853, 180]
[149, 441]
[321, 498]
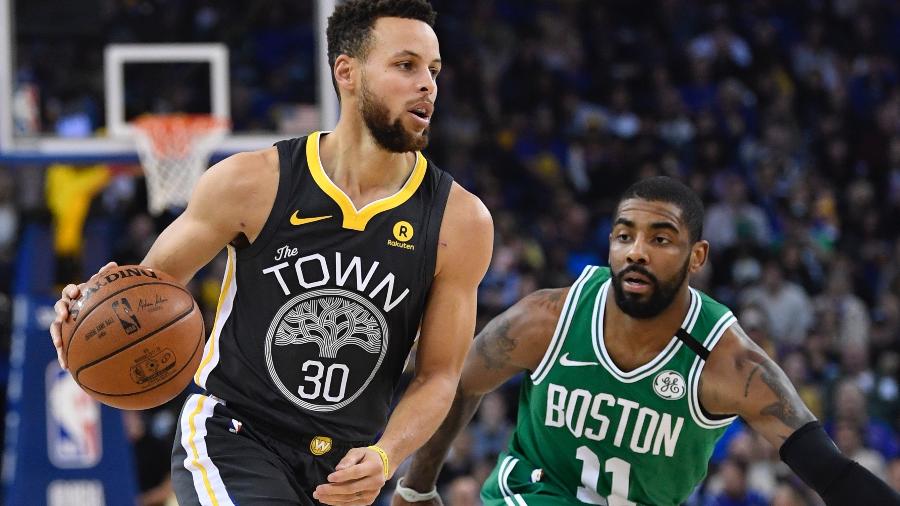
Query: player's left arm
[464, 253]
[739, 378]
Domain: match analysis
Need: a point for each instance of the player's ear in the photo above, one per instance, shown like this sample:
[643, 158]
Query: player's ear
[345, 72]
[699, 254]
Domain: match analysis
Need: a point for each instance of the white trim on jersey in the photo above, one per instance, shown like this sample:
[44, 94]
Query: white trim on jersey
[652, 366]
[709, 343]
[212, 350]
[503, 473]
[562, 326]
[207, 481]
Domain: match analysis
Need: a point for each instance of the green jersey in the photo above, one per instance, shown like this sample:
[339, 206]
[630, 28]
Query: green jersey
[588, 431]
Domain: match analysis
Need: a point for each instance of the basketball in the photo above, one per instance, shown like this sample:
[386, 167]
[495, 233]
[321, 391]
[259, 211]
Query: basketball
[134, 338]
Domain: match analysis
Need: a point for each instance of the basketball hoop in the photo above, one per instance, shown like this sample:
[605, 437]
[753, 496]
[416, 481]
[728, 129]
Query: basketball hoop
[174, 150]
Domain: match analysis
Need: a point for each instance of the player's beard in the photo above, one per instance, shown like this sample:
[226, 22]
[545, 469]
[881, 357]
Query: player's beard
[390, 135]
[660, 297]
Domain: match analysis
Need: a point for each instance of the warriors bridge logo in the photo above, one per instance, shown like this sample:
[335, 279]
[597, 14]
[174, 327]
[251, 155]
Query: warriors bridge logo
[314, 342]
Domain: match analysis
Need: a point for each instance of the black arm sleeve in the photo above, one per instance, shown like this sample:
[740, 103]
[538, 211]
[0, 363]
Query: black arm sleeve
[813, 456]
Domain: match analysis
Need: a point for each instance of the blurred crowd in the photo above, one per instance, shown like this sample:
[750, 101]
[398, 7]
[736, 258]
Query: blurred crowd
[783, 116]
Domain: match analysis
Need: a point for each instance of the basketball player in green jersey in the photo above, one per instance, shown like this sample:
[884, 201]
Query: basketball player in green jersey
[304, 356]
[632, 378]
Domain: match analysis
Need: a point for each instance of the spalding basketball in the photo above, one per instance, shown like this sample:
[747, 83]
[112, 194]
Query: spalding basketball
[134, 338]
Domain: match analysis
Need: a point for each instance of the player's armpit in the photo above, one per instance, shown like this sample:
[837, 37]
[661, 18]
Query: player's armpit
[739, 378]
[232, 198]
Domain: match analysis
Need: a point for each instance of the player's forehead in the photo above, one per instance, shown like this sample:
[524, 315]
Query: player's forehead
[640, 212]
[393, 36]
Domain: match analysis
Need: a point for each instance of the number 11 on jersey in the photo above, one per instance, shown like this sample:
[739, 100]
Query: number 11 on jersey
[590, 476]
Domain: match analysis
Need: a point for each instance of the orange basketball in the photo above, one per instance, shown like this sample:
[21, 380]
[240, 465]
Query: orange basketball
[134, 338]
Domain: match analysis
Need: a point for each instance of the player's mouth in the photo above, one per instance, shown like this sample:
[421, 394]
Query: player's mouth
[421, 113]
[637, 283]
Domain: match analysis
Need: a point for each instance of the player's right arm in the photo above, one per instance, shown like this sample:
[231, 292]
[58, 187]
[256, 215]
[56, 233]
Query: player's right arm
[232, 199]
[513, 342]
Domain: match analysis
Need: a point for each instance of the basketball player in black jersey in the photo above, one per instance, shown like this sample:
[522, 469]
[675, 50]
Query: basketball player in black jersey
[342, 248]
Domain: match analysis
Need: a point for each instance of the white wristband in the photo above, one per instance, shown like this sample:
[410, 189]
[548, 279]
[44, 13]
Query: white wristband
[410, 495]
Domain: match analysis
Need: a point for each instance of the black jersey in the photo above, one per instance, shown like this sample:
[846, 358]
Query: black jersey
[317, 317]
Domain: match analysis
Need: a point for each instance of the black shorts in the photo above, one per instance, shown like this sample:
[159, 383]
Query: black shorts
[218, 459]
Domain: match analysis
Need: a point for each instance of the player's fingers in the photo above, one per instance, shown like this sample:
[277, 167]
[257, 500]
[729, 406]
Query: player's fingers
[353, 457]
[100, 272]
[71, 292]
[352, 487]
[105, 268]
[60, 358]
[344, 499]
[356, 472]
[55, 334]
[61, 308]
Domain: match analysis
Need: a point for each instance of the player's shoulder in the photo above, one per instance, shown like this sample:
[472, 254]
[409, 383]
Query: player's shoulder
[713, 319]
[711, 304]
[244, 174]
[543, 305]
[238, 192]
[730, 350]
[532, 320]
[464, 206]
[467, 235]
[248, 163]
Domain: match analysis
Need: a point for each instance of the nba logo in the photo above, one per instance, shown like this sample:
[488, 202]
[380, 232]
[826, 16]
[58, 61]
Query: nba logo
[74, 437]
[126, 316]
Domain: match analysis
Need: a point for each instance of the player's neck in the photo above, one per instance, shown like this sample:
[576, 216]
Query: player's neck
[642, 334]
[359, 166]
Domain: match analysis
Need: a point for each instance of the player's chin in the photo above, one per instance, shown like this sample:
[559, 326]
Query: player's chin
[638, 293]
[418, 139]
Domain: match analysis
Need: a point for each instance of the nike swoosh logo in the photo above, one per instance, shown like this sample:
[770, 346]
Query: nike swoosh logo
[566, 362]
[297, 220]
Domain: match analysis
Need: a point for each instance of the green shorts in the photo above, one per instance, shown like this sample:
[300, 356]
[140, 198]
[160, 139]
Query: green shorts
[517, 482]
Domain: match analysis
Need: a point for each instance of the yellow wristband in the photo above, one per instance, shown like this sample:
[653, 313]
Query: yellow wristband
[384, 460]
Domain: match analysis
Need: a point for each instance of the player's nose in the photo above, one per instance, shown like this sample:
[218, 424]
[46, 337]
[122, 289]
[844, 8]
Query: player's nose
[426, 82]
[637, 253]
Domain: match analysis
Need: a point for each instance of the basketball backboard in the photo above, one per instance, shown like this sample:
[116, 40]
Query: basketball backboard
[73, 77]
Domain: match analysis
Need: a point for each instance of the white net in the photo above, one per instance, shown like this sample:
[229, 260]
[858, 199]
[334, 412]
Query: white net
[174, 150]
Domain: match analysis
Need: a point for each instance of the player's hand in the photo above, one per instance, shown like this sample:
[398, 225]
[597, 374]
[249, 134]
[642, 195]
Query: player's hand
[357, 480]
[69, 293]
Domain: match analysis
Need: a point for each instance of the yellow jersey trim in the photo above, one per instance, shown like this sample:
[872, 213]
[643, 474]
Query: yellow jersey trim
[358, 219]
[196, 460]
[214, 339]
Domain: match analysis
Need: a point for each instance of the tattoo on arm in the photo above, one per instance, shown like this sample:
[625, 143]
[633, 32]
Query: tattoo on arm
[784, 408]
[494, 343]
[750, 377]
[552, 298]
[787, 408]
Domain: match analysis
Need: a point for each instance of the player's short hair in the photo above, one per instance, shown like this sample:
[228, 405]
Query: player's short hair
[350, 26]
[667, 189]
